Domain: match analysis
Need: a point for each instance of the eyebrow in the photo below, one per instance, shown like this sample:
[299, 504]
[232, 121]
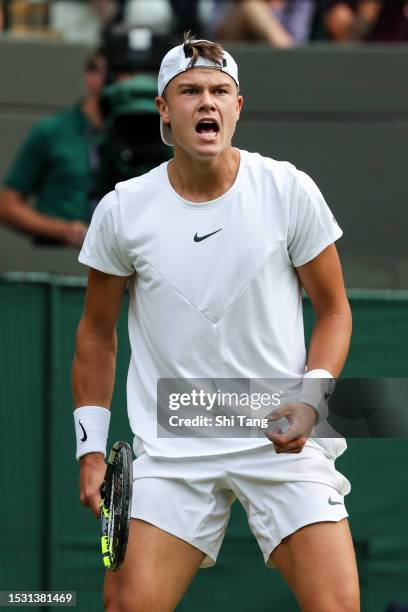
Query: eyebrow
[186, 84]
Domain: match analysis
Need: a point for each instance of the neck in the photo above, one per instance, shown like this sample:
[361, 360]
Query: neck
[91, 110]
[200, 180]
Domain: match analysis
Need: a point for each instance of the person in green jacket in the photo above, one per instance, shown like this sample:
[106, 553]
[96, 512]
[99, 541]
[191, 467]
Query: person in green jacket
[56, 166]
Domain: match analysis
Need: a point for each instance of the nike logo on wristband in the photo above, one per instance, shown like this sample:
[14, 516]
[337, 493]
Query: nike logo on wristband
[83, 429]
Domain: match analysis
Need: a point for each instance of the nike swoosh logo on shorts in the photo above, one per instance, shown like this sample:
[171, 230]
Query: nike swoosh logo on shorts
[334, 503]
[200, 238]
[83, 429]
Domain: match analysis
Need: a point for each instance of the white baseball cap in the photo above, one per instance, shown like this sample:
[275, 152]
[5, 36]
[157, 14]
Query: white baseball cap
[177, 61]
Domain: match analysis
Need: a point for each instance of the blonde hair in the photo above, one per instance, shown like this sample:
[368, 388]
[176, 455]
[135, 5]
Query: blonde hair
[202, 48]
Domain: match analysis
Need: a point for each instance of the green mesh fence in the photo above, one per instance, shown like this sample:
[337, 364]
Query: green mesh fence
[49, 541]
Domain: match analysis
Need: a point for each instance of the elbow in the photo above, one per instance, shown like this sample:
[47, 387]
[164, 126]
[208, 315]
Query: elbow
[9, 201]
[340, 312]
[91, 333]
[3, 208]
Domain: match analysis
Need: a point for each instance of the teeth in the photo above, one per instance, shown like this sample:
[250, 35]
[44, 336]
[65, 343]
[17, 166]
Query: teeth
[208, 135]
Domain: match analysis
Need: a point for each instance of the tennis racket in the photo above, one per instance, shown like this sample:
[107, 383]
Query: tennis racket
[116, 493]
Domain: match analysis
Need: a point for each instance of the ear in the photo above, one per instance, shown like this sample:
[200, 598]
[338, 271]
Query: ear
[162, 107]
[240, 101]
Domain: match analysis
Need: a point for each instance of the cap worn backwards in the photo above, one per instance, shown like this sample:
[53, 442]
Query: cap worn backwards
[176, 61]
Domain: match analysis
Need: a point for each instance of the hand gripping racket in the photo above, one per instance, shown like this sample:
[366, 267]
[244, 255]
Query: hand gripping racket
[116, 493]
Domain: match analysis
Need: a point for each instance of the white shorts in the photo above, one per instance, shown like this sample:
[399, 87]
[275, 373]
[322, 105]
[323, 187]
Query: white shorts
[191, 498]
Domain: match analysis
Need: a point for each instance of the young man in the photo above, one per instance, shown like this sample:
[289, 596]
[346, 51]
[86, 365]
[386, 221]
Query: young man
[213, 245]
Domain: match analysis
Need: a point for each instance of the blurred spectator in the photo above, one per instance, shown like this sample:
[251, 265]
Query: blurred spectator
[216, 16]
[27, 16]
[199, 16]
[186, 16]
[282, 23]
[153, 14]
[367, 20]
[57, 164]
[84, 21]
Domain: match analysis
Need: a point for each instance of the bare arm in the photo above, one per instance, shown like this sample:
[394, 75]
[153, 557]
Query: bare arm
[16, 213]
[93, 372]
[259, 18]
[322, 280]
[345, 25]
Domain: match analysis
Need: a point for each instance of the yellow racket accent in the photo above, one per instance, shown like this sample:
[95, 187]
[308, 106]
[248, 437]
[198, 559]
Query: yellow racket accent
[104, 510]
[106, 553]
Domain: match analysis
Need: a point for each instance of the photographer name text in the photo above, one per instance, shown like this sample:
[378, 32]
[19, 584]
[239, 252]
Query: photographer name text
[218, 421]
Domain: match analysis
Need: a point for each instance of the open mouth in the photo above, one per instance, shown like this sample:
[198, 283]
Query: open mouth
[208, 129]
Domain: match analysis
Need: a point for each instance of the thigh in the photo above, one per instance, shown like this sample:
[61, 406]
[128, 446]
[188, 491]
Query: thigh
[319, 564]
[184, 499]
[156, 572]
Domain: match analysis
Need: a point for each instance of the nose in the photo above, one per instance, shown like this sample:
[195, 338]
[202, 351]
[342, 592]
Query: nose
[206, 101]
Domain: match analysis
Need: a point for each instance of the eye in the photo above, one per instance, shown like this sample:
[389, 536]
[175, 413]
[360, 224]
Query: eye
[221, 90]
[190, 91]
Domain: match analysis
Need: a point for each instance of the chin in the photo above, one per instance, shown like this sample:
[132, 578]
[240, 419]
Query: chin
[202, 150]
[207, 150]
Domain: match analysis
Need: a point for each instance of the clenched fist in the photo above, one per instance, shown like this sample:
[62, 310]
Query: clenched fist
[302, 419]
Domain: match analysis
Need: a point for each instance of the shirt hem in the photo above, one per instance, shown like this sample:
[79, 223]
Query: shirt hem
[258, 443]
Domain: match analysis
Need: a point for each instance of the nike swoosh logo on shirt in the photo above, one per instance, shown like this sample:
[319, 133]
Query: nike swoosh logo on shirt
[200, 238]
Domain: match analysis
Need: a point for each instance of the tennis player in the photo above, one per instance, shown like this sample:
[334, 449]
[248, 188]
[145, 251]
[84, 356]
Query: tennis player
[215, 247]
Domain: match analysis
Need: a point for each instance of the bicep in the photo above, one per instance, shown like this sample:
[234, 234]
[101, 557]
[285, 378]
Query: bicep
[104, 296]
[322, 279]
[9, 199]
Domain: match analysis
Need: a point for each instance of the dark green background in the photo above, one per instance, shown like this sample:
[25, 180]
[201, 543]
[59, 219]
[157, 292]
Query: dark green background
[50, 541]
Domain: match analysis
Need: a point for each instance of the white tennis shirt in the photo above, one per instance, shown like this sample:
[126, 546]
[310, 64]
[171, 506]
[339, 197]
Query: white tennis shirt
[215, 294]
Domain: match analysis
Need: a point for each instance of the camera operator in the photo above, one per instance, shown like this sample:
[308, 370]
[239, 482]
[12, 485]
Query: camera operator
[130, 144]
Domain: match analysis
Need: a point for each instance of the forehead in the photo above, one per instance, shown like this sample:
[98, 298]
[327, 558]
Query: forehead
[201, 76]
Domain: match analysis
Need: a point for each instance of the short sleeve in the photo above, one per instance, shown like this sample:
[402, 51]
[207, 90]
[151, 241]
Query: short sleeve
[104, 248]
[312, 226]
[30, 164]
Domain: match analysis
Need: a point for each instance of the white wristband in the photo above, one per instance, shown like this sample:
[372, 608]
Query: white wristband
[317, 387]
[91, 429]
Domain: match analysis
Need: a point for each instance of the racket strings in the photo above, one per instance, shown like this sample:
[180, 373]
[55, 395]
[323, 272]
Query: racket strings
[117, 495]
[116, 509]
